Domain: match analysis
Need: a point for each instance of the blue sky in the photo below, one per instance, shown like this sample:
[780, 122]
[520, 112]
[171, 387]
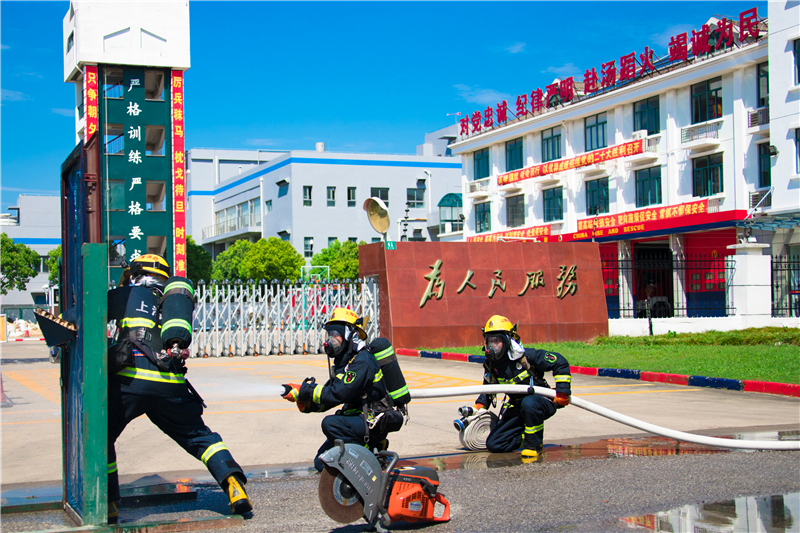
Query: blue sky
[360, 76]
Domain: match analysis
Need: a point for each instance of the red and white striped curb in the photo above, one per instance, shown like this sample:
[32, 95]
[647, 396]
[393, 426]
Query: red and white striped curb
[28, 339]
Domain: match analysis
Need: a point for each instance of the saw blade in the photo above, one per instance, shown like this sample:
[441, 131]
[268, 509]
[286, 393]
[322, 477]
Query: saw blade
[338, 498]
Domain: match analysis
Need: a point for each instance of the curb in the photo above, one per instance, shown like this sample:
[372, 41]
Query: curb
[746, 385]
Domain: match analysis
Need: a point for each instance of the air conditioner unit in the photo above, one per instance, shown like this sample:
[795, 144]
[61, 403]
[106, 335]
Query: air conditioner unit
[639, 135]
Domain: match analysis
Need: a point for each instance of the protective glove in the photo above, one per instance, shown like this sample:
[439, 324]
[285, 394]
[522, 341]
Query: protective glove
[290, 392]
[561, 399]
[479, 406]
[307, 388]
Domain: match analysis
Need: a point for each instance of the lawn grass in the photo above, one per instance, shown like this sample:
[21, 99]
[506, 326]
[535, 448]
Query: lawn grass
[761, 354]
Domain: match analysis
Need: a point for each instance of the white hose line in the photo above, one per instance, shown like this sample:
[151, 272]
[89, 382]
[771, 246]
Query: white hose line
[608, 413]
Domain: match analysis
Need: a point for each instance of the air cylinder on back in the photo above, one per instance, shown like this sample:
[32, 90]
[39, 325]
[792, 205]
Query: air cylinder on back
[393, 378]
[177, 306]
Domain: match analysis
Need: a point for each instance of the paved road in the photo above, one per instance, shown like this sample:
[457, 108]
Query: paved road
[267, 434]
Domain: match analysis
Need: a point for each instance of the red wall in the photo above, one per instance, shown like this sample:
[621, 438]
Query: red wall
[456, 319]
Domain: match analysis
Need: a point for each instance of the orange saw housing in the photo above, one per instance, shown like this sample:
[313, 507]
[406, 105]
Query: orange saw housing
[413, 494]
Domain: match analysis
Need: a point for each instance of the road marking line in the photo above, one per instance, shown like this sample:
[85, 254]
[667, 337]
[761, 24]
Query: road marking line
[54, 397]
[641, 392]
[30, 422]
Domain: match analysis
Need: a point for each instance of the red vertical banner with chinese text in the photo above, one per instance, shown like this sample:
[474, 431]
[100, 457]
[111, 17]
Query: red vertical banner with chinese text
[178, 174]
[90, 102]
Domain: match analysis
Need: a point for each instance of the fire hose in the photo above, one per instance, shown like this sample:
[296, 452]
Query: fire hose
[608, 413]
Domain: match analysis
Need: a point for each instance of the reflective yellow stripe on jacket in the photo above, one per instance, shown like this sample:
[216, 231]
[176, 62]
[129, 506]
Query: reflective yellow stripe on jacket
[563, 378]
[151, 375]
[137, 322]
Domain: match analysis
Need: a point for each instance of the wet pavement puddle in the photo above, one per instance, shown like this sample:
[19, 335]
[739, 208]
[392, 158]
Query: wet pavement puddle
[749, 514]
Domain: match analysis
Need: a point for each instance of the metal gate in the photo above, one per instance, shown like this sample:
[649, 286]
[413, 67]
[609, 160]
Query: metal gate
[274, 318]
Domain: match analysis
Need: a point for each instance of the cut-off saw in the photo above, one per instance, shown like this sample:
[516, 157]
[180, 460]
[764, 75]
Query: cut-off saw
[358, 483]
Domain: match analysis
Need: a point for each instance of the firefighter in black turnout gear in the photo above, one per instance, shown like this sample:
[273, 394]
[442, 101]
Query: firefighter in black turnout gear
[153, 314]
[521, 421]
[368, 413]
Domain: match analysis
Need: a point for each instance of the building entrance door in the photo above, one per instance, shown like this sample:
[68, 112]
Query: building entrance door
[652, 279]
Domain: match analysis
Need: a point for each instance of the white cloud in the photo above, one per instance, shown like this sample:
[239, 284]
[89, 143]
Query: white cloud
[20, 189]
[4, 47]
[662, 39]
[63, 112]
[480, 96]
[569, 69]
[13, 96]
[515, 48]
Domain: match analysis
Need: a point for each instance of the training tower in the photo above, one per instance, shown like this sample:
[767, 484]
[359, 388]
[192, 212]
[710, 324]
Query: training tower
[123, 195]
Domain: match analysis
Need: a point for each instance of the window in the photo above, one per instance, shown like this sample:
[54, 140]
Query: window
[116, 195]
[308, 247]
[153, 84]
[154, 195]
[331, 196]
[382, 193]
[376, 239]
[255, 209]
[797, 149]
[70, 40]
[764, 165]
[284, 235]
[515, 211]
[114, 139]
[153, 139]
[551, 144]
[415, 198]
[597, 196]
[514, 154]
[268, 206]
[646, 117]
[553, 209]
[351, 197]
[482, 164]
[595, 132]
[797, 62]
[707, 175]
[648, 186]
[763, 84]
[707, 100]
[307, 195]
[483, 215]
[331, 240]
[353, 239]
[112, 83]
[450, 216]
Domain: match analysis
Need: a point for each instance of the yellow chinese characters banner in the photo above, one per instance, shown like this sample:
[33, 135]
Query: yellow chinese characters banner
[598, 156]
[523, 233]
[699, 207]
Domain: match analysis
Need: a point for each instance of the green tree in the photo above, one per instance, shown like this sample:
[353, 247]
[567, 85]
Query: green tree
[228, 264]
[273, 258]
[342, 258]
[18, 265]
[198, 262]
[52, 264]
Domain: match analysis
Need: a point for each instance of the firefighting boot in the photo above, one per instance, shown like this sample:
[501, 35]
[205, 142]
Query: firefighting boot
[532, 456]
[113, 513]
[240, 503]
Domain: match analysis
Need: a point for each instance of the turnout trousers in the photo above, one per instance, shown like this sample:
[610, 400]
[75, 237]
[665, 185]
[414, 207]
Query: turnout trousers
[521, 425]
[181, 419]
[351, 429]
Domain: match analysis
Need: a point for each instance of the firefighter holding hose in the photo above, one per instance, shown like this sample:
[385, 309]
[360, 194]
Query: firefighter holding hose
[521, 419]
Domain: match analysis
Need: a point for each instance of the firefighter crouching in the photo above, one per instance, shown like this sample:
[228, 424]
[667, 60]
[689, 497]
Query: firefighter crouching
[521, 419]
[153, 313]
[357, 381]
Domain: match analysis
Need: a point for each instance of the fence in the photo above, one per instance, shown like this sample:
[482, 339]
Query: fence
[786, 286]
[274, 318]
[666, 286]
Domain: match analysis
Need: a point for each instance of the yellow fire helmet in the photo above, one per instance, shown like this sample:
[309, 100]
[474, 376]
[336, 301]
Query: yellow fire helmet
[152, 263]
[346, 317]
[500, 324]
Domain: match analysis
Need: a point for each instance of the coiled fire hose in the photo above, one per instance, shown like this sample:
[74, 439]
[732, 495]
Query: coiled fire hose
[608, 413]
[474, 429]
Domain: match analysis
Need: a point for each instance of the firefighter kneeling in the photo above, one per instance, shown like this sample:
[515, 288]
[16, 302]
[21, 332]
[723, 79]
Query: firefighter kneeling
[374, 405]
[146, 363]
[521, 419]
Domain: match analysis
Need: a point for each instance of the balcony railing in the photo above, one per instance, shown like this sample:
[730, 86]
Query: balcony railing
[701, 131]
[232, 225]
[759, 117]
[481, 185]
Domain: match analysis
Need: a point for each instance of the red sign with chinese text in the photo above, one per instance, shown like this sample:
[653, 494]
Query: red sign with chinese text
[90, 101]
[598, 156]
[178, 173]
[698, 207]
[533, 232]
